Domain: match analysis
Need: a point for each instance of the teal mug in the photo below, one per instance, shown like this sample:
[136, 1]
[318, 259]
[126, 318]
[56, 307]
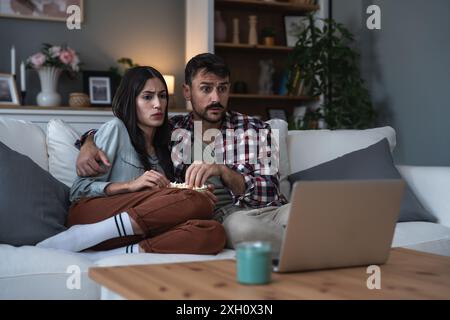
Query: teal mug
[254, 262]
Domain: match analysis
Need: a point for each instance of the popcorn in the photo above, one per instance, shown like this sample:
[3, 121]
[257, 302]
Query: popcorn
[185, 186]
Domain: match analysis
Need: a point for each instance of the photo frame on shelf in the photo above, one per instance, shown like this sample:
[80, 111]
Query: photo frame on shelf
[100, 86]
[277, 113]
[8, 90]
[52, 10]
[293, 26]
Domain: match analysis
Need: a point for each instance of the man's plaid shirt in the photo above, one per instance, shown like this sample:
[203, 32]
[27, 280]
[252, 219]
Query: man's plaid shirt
[240, 152]
[261, 188]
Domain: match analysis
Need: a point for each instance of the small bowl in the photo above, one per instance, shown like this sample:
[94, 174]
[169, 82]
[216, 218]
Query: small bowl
[79, 100]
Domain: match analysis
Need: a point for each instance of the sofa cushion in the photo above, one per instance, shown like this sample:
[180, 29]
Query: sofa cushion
[36, 273]
[33, 204]
[308, 148]
[423, 236]
[373, 162]
[431, 185]
[62, 153]
[25, 137]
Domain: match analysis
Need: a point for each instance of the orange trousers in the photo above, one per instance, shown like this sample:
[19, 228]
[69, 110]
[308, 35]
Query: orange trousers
[173, 220]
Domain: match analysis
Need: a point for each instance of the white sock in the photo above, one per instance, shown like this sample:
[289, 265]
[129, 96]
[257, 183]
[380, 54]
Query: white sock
[83, 236]
[97, 255]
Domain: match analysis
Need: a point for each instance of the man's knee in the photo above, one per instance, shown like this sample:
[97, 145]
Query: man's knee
[240, 227]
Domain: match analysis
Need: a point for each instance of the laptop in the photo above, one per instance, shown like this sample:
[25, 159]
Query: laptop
[335, 224]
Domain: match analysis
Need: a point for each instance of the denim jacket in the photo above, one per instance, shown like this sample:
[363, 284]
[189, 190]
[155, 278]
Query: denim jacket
[113, 139]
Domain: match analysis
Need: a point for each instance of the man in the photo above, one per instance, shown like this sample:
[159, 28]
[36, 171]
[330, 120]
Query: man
[248, 200]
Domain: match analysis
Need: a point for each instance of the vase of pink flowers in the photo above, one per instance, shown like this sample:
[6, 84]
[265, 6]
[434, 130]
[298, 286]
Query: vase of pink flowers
[50, 63]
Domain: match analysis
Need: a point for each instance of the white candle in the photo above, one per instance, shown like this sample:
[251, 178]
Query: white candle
[22, 77]
[13, 60]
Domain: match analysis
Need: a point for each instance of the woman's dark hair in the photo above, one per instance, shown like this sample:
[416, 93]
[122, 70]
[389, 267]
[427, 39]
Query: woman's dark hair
[124, 108]
[210, 62]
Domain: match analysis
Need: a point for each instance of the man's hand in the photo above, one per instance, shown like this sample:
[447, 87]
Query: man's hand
[210, 194]
[89, 158]
[198, 173]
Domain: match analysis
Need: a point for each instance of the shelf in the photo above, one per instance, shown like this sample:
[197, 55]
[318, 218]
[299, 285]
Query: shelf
[266, 5]
[68, 109]
[244, 59]
[58, 108]
[271, 97]
[232, 46]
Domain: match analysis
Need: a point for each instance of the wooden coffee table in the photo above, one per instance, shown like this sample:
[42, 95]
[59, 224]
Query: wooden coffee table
[408, 274]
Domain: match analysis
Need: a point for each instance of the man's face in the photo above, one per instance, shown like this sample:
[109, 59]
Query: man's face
[209, 95]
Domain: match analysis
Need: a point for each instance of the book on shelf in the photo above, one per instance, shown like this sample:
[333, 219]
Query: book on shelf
[282, 89]
[297, 84]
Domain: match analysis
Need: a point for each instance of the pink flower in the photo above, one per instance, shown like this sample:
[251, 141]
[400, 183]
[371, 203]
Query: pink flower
[38, 59]
[67, 56]
[56, 56]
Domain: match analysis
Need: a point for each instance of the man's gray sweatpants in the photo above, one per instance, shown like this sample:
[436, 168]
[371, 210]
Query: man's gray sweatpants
[263, 224]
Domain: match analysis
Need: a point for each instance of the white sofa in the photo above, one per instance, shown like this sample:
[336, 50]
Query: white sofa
[29, 272]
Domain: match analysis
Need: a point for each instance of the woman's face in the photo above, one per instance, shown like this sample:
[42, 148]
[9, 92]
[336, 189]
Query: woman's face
[151, 104]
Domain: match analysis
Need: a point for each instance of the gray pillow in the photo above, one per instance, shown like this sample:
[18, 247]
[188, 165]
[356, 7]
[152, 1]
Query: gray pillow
[373, 162]
[33, 204]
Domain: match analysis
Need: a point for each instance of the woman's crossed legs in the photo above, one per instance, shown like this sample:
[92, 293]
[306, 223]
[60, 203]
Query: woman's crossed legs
[164, 220]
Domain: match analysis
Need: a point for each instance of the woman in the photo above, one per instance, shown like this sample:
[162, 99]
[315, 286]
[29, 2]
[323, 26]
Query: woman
[131, 206]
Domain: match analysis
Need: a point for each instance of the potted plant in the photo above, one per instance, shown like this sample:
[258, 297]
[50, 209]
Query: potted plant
[124, 64]
[268, 35]
[326, 64]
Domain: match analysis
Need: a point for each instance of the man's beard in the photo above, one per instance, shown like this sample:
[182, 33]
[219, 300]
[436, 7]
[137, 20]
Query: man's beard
[204, 115]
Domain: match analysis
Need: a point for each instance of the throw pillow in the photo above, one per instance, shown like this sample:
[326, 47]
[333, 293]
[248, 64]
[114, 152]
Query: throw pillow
[62, 153]
[373, 162]
[33, 204]
[25, 137]
[309, 148]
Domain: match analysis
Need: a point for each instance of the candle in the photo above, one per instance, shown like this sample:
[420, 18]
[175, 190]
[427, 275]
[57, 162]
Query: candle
[13, 61]
[254, 262]
[22, 77]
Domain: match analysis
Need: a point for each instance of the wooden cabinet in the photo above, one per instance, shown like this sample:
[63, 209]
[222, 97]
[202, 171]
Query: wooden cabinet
[244, 59]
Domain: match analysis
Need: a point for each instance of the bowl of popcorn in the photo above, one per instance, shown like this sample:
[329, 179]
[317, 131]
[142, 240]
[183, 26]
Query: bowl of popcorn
[185, 186]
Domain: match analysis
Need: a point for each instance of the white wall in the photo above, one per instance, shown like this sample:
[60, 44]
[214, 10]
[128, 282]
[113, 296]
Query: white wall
[199, 27]
[407, 69]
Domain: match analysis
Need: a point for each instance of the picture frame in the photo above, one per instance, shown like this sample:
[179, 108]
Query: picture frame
[293, 26]
[8, 90]
[100, 86]
[50, 10]
[277, 113]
